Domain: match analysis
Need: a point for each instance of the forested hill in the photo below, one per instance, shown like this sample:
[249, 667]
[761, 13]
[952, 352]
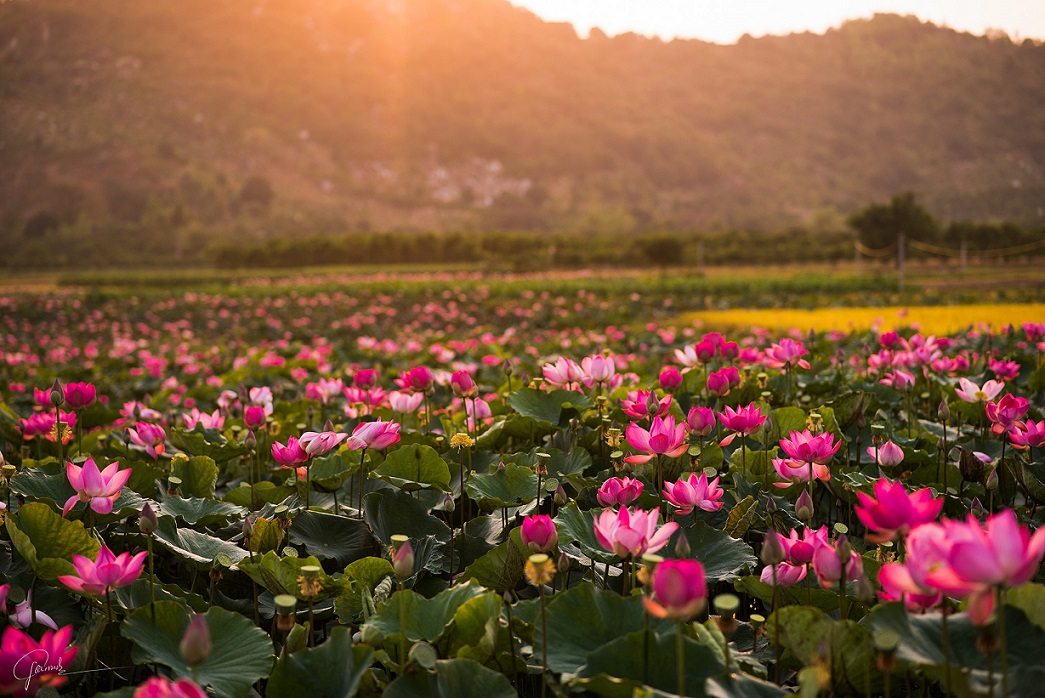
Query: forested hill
[331, 115]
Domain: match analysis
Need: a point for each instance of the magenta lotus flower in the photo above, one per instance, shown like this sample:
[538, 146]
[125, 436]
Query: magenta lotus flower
[743, 421]
[292, 454]
[366, 378]
[619, 492]
[318, 443]
[1029, 434]
[694, 493]
[793, 471]
[538, 533]
[98, 488]
[680, 589]
[888, 455]
[632, 532]
[27, 665]
[786, 355]
[899, 379]
[254, 417]
[927, 548]
[805, 447]
[828, 565]
[718, 383]
[105, 573]
[895, 512]
[477, 408]
[642, 404]
[79, 396]
[160, 687]
[214, 420]
[663, 438]
[970, 392]
[700, 421]
[419, 379]
[377, 435]
[462, 384]
[151, 437]
[1006, 412]
[670, 379]
[405, 403]
[1005, 370]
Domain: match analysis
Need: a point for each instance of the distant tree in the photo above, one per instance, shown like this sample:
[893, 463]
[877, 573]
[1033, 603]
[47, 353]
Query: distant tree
[39, 225]
[879, 225]
[256, 190]
[662, 250]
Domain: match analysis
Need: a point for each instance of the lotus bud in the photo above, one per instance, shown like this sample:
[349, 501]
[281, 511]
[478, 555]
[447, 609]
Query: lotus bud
[57, 394]
[804, 507]
[992, 480]
[402, 557]
[248, 527]
[195, 643]
[506, 367]
[773, 552]
[943, 411]
[976, 508]
[147, 522]
[970, 466]
[771, 506]
[449, 505]
[864, 590]
[560, 496]
[652, 403]
[682, 547]
[564, 562]
[845, 550]
[250, 441]
[371, 635]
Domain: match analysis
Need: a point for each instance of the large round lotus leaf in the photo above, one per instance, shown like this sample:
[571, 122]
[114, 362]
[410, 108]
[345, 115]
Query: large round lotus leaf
[723, 556]
[198, 511]
[206, 442]
[198, 475]
[546, 406]
[391, 512]
[452, 678]
[331, 537]
[334, 669]
[47, 541]
[192, 546]
[512, 486]
[240, 654]
[415, 467]
[425, 618]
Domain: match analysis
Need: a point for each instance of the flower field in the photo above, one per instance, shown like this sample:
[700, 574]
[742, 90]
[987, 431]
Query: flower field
[548, 485]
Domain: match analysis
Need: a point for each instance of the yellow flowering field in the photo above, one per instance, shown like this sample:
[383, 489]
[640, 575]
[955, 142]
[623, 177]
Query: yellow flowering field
[942, 319]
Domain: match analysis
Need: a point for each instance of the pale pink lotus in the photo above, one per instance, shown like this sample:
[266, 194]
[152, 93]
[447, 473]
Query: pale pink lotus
[793, 471]
[888, 455]
[405, 403]
[970, 392]
[105, 573]
[99, 488]
[927, 548]
[377, 435]
[194, 418]
[694, 493]
[632, 532]
[663, 438]
[318, 443]
[786, 355]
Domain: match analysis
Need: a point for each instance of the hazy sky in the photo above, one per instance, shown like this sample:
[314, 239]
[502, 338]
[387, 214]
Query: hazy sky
[724, 21]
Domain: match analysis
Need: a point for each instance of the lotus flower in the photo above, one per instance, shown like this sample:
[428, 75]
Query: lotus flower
[321, 442]
[26, 665]
[105, 573]
[462, 384]
[291, 455]
[151, 437]
[377, 435]
[22, 616]
[804, 447]
[894, 513]
[743, 421]
[680, 589]
[1006, 412]
[970, 392]
[663, 438]
[98, 488]
[632, 532]
[619, 492]
[366, 378]
[670, 379]
[700, 421]
[419, 379]
[405, 403]
[927, 548]
[795, 471]
[694, 493]
[597, 369]
[642, 404]
[888, 455]
[1029, 434]
[538, 533]
[787, 354]
[899, 379]
[79, 395]
[160, 687]
[214, 420]
[324, 390]
[254, 417]
[786, 574]
[827, 562]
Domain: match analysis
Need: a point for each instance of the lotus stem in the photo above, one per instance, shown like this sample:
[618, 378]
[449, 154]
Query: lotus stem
[544, 642]
[680, 659]
[152, 578]
[402, 627]
[359, 495]
[999, 594]
[946, 652]
[776, 625]
[511, 636]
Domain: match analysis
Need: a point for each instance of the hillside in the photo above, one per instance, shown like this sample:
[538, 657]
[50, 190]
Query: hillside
[254, 118]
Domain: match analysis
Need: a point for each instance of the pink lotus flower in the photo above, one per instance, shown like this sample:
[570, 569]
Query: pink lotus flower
[324, 390]
[21, 656]
[1006, 412]
[694, 355]
[597, 369]
[160, 687]
[895, 512]
[1029, 434]
[786, 574]
[22, 616]
[619, 492]
[151, 437]
[828, 564]
[538, 533]
[786, 355]
[899, 379]
[366, 379]
[696, 492]
[1034, 330]
[377, 435]
[663, 438]
[79, 396]
[98, 488]
[888, 455]
[743, 421]
[670, 379]
[804, 447]
[405, 403]
[794, 472]
[462, 384]
[105, 573]
[254, 417]
[564, 373]
[291, 455]
[262, 397]
[970, 392]
[700, 421]
[719, 382]
[927, 548]
[43, 423]
[642, 404]
[214, 420]
[680, 589]
[1005, 370]
[480, 408]
[632, 532]
[419, 379]
[321, 442]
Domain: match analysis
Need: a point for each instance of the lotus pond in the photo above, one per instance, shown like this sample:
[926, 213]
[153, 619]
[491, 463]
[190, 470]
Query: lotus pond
[542, 486]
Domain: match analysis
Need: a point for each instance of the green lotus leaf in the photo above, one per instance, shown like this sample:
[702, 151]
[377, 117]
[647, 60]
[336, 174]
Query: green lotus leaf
[723, 556]
[198, 511]
[415, 467]
[197, 548]
[198, 475]
[547, 406]
[281, 575]
[331, 537]
[426, 619]
[512, 486]
[390, 512]
[334, 669]
[452, 678]
[47, 541]
[206, 442]
[241, 653]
